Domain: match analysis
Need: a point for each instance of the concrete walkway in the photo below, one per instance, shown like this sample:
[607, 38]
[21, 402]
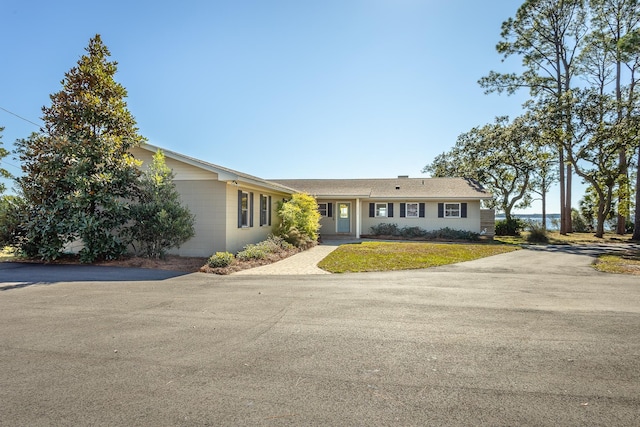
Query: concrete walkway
[305, 262]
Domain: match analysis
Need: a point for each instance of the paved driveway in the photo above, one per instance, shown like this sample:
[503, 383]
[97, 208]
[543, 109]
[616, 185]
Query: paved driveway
[549, 343]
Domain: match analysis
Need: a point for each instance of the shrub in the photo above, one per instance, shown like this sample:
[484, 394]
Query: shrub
[385, 230]
[300, 220]
[410, 232]
[252, 251]
[509, 227]
[537, 233]
[579, 223]
[220, 259]
[452, 234]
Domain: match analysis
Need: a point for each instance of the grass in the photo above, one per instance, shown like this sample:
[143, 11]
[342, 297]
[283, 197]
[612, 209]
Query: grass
[386, 256]
[626, 263]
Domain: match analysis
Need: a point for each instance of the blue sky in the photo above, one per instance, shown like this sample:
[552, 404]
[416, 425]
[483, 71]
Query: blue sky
[277, 89]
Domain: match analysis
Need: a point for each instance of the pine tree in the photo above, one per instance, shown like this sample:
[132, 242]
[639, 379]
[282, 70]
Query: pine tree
[79, 175]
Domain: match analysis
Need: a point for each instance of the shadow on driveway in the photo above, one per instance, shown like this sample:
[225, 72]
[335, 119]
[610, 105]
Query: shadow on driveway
[593, 250]
[16, 275]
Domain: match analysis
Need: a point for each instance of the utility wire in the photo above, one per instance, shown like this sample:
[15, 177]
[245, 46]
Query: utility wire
[20, 117]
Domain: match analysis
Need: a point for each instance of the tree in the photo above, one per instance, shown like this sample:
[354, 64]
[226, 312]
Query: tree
[613, 21]
[547, 35]
[299, 220]
[160, 220]
[79, 176]
[501, 156]
[3, 172]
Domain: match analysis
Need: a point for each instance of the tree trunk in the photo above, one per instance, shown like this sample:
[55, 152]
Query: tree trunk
[636, 229]
[544, 204]
[600, 220]
[568, 199]
[623, 194]
[563, 212]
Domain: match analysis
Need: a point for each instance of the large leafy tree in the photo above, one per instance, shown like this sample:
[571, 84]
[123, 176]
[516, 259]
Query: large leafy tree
[502, 156]
[547, 35]
[3, 172]
[160, 221]
[79, 175]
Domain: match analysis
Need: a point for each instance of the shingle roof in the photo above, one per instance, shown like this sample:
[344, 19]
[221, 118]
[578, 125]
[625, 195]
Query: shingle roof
[390, 188]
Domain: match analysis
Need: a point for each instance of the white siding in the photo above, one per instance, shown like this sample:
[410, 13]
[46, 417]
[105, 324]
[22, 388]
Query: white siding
[237, 237]
[205, 200]
[430, 222]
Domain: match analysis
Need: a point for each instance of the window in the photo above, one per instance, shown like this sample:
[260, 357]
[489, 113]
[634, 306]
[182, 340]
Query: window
[265, 210]
[381, 210]
[322, 208]
[412, 210]
[244, 210]
[452, 210]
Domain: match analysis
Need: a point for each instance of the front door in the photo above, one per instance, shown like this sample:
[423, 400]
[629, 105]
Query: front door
[344, 217]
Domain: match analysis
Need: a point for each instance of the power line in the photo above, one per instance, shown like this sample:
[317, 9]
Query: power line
[20, 117]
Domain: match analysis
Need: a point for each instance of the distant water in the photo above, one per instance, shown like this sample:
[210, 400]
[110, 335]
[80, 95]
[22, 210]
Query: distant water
[553, 220]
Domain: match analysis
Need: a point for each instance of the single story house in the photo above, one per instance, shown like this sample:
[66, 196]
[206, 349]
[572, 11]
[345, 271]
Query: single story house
[233, 208]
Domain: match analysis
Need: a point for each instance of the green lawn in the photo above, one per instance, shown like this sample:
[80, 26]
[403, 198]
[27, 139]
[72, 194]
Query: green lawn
[385, 256]
[627, 263]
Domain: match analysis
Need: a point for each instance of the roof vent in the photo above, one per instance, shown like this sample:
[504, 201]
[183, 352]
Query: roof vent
[397, 187]
[403, 176]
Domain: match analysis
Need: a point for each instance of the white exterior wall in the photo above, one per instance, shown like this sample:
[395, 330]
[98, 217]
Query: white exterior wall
[237, 237]
[430, 222]
[205, 200]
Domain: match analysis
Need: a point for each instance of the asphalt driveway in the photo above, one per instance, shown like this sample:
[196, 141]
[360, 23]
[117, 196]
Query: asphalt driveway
[526, 338]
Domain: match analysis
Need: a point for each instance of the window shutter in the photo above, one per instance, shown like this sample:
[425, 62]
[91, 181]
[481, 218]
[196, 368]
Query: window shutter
[262, 218]
[250, 209]
[372, 210]
[239, 208]
[440, 210]
[390, 210]
[463, 210]
[421, 212]
[403, 210]
[269, 211]
[330, 210]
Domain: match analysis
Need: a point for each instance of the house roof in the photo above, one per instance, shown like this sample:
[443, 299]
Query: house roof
[224, 174]
[390, 188]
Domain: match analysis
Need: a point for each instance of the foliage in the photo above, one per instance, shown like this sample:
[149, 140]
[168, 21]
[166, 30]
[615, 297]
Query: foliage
[452, 234]
[580, 225]
[502, 157]
[300, 220]
[160, 221]
[386, 256]
[537, 233]
[261, 250]
[385, 229]
[509, 227]
[220, 259]
[3, 172]
[79, 175]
